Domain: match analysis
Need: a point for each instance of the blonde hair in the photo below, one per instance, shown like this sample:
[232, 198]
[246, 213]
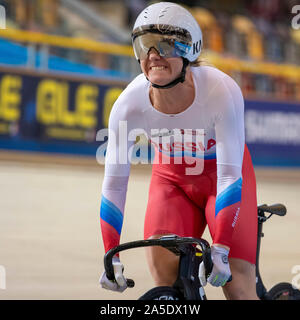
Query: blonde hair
[200, 61]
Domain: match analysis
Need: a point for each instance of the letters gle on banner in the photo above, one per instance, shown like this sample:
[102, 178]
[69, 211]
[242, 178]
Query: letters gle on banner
[53, 109]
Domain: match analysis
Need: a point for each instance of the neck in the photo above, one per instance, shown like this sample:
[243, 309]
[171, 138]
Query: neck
[176, 99]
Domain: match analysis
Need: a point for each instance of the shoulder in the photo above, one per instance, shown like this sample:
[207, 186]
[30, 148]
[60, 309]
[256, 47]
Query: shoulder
[132, 98]
[208, 72]
[131, 103]
[212, 81]
[135, 90]
[213, 76]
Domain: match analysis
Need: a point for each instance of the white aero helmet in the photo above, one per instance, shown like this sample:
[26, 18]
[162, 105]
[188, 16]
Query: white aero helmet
[170, 29]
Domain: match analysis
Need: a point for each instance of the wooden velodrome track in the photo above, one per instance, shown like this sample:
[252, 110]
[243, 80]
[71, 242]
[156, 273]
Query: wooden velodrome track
[50, 236]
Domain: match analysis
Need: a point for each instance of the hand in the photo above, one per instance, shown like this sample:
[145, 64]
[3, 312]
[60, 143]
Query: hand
[119, 284]
[221, 270]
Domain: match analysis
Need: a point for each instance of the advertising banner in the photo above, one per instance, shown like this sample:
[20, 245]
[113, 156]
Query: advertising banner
[46, 113]
[273, 132]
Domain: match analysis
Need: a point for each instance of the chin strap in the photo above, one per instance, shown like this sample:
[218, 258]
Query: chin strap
[173, 83]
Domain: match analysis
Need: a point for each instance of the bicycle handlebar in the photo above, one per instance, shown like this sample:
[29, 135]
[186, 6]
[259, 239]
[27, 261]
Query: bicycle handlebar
[173, 243]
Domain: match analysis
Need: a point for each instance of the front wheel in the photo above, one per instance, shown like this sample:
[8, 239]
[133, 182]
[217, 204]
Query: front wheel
[284, 291]
[162, 293]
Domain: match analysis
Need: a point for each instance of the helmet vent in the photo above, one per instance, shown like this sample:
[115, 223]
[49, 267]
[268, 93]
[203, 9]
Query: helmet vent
[163, 12]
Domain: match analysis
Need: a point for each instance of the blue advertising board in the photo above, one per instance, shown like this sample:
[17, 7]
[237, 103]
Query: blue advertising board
[53, 113]
[273, 132]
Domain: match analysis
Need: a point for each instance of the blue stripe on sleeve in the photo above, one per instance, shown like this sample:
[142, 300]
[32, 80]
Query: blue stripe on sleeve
[232, 194]
[111, 214]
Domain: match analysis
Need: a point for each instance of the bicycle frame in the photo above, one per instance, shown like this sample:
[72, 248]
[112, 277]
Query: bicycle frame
[188, 280]
[260, 288]
[277, 209]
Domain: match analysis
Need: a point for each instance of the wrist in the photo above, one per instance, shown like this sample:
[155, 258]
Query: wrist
[220, 246]
[219, 250]
[115, 259]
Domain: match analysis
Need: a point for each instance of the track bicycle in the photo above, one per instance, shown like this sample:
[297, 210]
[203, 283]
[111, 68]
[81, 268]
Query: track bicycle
[192, 252]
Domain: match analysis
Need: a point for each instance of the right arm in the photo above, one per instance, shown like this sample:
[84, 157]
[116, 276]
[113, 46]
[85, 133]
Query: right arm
[117, 168]
[124, 117]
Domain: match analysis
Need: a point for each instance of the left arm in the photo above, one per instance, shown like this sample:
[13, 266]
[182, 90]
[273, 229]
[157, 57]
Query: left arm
[228, 113]
[230, 142]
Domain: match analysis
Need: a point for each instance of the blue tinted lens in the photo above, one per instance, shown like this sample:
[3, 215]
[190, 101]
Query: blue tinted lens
[181, 49]
[172, 49]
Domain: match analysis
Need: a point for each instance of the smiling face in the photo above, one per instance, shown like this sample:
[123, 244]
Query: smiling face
[159, 70]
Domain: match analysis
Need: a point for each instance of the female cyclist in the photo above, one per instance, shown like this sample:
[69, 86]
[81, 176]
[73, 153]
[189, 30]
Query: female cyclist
[205, 106]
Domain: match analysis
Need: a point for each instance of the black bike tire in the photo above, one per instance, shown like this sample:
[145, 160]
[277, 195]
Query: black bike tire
[162, 291]
[283, 290]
